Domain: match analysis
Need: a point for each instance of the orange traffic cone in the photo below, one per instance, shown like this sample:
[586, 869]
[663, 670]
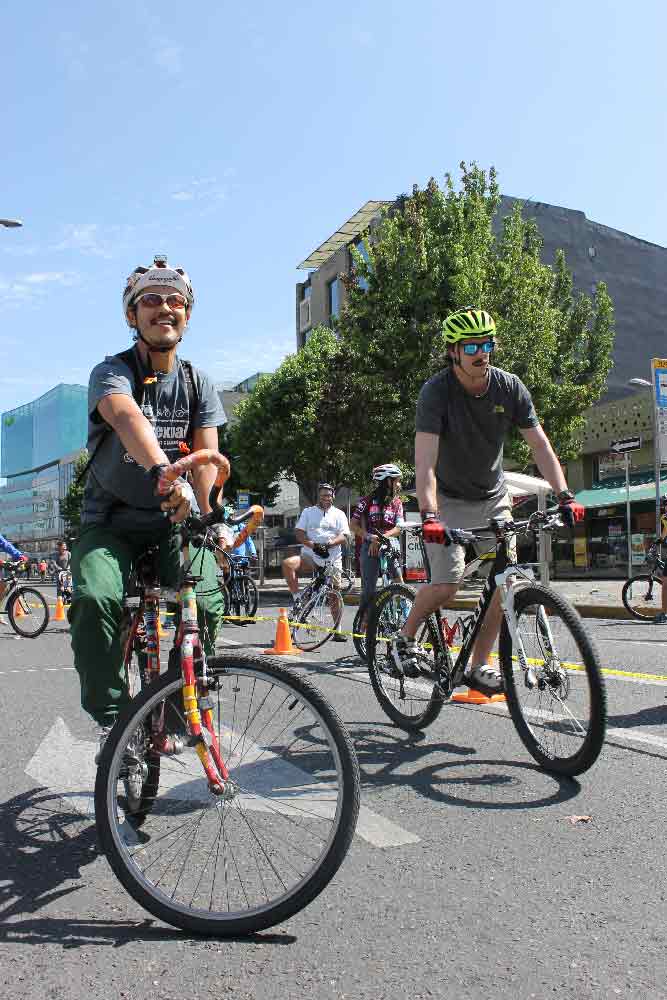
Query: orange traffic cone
[60, 611]
[282, 644]
[18, 609]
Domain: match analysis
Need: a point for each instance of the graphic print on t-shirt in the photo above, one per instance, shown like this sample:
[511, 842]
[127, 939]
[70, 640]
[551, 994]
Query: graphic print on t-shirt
[170, 425]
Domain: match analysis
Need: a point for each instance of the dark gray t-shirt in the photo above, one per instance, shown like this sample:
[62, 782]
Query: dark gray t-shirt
[118, 491]
[472, 430]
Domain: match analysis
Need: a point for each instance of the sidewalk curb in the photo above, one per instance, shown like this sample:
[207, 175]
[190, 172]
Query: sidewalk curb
[614, 611]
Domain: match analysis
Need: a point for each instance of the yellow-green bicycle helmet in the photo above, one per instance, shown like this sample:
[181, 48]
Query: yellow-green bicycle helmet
[468, 322]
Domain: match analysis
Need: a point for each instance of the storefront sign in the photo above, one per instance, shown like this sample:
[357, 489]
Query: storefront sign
[580, 552]
[659, 369]
[638, 548]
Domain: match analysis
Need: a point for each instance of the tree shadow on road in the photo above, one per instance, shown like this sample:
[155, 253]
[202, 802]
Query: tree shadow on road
[45, 848]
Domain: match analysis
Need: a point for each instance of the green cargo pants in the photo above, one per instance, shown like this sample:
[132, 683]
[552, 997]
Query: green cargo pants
[101, 563]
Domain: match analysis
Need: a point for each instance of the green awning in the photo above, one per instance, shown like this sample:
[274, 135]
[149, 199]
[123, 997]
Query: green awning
[612, 492]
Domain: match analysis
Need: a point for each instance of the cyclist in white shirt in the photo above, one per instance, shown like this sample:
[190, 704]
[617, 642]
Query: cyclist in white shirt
[320, 530]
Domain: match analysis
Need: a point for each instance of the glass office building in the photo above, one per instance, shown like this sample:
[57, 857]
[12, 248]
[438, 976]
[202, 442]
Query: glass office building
[40, 441]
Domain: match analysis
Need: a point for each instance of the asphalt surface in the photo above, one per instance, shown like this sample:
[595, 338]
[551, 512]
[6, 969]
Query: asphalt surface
[495, 892]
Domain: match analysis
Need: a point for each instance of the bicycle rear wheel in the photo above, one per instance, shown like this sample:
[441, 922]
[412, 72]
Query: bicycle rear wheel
[412, 703]
[243, 600]
[642, 596]
[553, 682]
[319, 619]
[28, 612]
[243, 862]
[359, 634]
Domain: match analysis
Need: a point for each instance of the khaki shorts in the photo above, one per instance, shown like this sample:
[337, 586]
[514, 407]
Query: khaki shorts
[447, 562]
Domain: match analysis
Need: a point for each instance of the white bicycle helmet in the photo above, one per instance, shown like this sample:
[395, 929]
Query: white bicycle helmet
[389, 471]
[161, 273]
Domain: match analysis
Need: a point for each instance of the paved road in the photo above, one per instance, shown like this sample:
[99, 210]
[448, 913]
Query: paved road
[492, 892]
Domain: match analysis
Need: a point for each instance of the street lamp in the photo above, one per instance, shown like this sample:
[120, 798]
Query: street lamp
[642, 383]
[11, 223]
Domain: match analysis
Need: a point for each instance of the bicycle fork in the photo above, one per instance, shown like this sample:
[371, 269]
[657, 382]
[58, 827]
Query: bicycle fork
[199, 712]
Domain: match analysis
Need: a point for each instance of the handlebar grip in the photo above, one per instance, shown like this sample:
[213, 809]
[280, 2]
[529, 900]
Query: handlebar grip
[254, 516]
[205, 456]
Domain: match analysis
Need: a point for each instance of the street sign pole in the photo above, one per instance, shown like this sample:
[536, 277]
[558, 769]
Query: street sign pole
[657, 460]
[627, 511]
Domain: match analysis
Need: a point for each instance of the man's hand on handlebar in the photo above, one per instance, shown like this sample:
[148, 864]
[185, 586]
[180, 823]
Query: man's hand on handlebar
[179, 501]
[321, 550]
[569, 510]
[434, 531]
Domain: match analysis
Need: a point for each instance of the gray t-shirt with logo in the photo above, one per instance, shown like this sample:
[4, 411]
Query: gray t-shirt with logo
[118, 491]
[472, 430]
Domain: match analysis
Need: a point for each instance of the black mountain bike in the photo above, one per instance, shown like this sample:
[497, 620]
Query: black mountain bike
[317, 612]
[550, 667]
[389, 571]
[642, 593]
[26, 607]
[238, 589]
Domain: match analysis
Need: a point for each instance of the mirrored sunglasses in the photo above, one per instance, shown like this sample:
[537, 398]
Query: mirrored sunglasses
[486, 347]
[153, 299]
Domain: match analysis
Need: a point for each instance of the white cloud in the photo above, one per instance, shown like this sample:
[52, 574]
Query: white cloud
[40, 277]
[183, 196]
[25, 288]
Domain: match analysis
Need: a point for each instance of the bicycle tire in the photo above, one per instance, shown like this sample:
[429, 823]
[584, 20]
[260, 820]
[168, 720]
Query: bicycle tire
[425, 702]
[646, 583]
[358, 639]
[314, 633]
[28, 598]
[224, 593]
[554, 688]
[315, 801]
[245, 608]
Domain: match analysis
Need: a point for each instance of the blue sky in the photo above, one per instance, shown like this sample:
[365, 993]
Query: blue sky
[237, 137]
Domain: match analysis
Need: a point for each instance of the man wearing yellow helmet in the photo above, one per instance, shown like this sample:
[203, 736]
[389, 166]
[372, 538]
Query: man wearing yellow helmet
[463, 415]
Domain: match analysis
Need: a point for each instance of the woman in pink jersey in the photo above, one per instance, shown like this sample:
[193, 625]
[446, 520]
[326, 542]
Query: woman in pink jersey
[381, 510]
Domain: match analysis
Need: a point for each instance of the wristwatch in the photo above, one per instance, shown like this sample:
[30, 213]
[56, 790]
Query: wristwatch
[564, 496]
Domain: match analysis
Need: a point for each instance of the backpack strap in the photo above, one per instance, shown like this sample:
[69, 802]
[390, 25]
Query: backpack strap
[193, 399]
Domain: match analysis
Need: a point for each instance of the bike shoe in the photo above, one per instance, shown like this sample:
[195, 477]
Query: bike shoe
[404, 654]
[483, 678]
[338, 637]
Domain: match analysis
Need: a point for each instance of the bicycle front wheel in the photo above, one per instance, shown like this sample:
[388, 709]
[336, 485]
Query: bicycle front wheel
[28, 612]
[238, 863]
[411, 702]
[553, 682]
[642, 596]
[319, 619]
[359, 634]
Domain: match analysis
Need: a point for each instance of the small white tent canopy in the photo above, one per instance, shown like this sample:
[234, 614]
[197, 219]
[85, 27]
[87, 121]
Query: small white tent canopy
[519, 485]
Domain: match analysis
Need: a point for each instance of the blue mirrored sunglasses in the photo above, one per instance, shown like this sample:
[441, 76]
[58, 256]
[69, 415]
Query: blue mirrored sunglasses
[486, 347]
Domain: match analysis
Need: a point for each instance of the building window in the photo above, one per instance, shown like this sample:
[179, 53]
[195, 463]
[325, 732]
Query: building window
[306, 291]
[361, 247]
[333, 298]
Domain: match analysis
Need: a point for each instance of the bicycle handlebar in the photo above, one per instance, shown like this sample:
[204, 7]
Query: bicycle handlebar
[549, 520]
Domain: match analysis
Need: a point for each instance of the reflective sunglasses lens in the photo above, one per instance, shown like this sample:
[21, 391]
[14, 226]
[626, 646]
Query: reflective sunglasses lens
[470, 349]
[175, 301]
[488, 346]
[151, 299]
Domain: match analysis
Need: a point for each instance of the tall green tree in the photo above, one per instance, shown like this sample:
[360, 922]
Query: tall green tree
[295, 424]
[70, 505]
[242, 478]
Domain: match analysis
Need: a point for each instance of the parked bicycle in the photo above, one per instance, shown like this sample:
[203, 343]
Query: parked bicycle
[253, 818]
[26, 607]
[317, 612]
[642, 593]
[550, 668]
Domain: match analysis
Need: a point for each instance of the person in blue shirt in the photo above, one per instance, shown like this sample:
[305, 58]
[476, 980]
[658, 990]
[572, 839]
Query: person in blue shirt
[14, 554]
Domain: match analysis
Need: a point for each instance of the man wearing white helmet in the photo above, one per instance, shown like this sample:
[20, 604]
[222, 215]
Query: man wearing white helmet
[146, 409]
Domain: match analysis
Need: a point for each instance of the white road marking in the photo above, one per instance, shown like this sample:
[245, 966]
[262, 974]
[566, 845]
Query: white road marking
[66, 766]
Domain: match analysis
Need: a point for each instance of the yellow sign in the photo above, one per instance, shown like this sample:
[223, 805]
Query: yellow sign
[580, 552]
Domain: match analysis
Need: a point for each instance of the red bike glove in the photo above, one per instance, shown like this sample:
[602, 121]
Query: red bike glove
[434, 532]
[571, 512]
